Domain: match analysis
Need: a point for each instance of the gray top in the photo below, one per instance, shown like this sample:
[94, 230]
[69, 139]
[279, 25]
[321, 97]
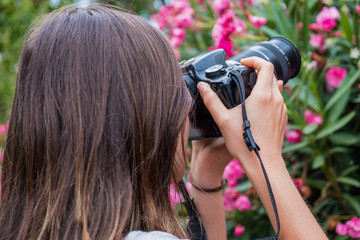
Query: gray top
[139, 235]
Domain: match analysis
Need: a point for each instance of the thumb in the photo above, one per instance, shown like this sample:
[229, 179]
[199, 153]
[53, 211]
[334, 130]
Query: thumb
[212, 102]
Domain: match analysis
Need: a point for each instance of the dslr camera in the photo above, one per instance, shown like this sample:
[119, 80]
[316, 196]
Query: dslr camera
[212, 68]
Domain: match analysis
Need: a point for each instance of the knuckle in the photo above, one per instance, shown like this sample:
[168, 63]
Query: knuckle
[264, 97]
[279, 101]
[269, 66]
[224, 120]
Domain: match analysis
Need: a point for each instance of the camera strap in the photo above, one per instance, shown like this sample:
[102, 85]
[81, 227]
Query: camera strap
[195, 229]
[251, 144]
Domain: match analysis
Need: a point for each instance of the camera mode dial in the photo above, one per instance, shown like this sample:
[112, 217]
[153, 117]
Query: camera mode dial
[214, 71]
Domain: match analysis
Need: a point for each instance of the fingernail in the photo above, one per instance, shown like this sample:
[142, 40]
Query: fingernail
[201, 86]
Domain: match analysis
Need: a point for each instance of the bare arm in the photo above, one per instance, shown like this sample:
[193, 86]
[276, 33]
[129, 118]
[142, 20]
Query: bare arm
[268, 116]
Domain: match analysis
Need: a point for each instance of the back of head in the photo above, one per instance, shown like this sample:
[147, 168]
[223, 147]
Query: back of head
[98, 108]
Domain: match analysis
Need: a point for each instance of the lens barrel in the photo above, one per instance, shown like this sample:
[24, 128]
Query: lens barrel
[280, 52]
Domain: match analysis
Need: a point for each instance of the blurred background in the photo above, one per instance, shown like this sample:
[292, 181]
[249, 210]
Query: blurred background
[322, 140]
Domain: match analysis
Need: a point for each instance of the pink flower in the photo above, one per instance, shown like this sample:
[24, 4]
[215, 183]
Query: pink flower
[357, 9]
[239, 230]
[233, 172]
[227, 45]
[226, 25]
[341, 229]
[313, 27]
[294, 136]
[298, 182]
[180, 5]
[353, 227]
[174, 196]
[220, 6]
[230, 195]
[239, 26]
[317, 41]
[326, 19]
[257, 21]
[300, 25]
[183, 20]
[312, 118]
[178, 32]
[178, 14]
[4, 128]
[242, 203]
[334, 76]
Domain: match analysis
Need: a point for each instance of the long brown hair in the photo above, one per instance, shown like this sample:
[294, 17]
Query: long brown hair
[98, 109]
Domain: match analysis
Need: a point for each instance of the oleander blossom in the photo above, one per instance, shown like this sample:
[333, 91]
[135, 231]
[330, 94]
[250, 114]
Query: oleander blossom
[351, 228]
[226, 26]
[233, 199]
[239, 230]
[220, 6]
[174, 196]
[293, 136]
[4, 128]
[326, 19]
[175, 17]
[242, 203]
[317, 41]
[357, 9]
[257, 21]
[312, 118]
[233, 172]
[334, 76]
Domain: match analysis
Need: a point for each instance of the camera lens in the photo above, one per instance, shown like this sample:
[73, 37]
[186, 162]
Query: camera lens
[280, 52]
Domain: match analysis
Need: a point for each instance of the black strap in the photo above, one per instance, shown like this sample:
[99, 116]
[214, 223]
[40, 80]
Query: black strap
[251, 144]
[194, 228]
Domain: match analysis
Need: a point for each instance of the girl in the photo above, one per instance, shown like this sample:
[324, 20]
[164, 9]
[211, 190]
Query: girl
[97, 134]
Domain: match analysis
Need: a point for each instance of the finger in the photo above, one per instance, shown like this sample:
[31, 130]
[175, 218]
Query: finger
[212, 101]
[280, 84]
[265, 71]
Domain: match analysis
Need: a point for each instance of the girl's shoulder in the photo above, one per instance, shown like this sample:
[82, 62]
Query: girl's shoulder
[139, 235]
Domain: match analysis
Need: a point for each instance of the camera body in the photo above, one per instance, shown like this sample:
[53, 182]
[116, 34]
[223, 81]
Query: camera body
[212, 68]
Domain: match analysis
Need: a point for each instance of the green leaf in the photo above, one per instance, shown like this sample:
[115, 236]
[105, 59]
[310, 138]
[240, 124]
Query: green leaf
[354, 203]
[309, 128]
[339, 107]
[338, 150]
[242, 187]
[325, 202]
[346, 26]
[318, 162]
[270, 32]
[305, 29]
[345, 85]
[349, 181]
[294, 147]
[349, 170]
[356, 100]
[356, 28]
[346, 139]
[315, 183]
[335, 126]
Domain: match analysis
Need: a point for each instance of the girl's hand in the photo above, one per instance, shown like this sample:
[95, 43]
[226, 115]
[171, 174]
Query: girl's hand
[209, 159]
[266, 112]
